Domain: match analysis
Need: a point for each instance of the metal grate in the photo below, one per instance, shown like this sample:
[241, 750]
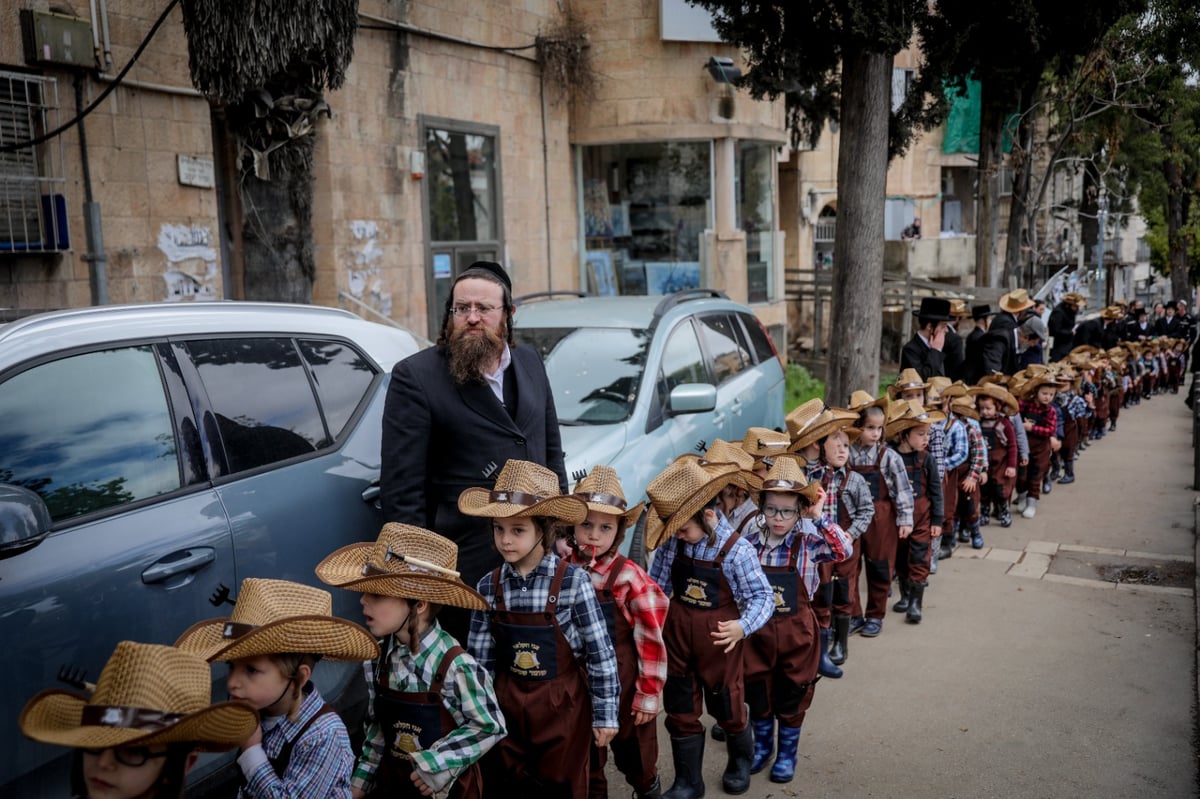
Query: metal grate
[32, 207]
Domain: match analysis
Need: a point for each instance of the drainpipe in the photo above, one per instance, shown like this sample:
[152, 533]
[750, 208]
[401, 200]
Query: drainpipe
[95, 257]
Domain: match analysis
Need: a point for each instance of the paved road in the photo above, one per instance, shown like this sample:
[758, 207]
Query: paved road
[1051, 684]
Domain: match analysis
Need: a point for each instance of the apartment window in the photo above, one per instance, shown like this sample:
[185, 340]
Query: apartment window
[32, 208]
[901, 82]
[462, 163]
[755, 176]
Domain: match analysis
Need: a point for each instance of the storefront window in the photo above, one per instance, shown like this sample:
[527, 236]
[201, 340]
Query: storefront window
[756, 165]
[646, 206]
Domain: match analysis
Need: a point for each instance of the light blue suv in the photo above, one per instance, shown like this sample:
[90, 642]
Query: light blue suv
[172, 450]
[639, 381]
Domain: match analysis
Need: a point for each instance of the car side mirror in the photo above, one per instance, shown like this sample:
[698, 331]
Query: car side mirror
[24, 520]
[693, 398]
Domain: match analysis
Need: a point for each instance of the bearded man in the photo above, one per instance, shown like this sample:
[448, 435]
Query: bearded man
[456, 412]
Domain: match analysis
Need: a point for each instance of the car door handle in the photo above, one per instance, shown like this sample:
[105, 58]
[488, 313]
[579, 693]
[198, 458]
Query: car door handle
[371, 493]
[187, 560]
[718, 418]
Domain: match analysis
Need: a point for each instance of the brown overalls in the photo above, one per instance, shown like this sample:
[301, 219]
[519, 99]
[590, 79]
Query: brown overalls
[876, 549]
[1039, 455]
[635, 746]
[912, 553]
[411, 721]
[781, 658]
[832, 588]
[543, 691]
[999, 487]
[700, 598]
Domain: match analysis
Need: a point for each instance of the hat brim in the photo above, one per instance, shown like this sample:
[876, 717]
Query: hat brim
[811, 436]
[1016, 308]
[344, 569]
[895, 428]
[630, 515]
[55, 717]
[1009, 402]
[934, 317]
[332, 638]
[565, 508]
[659, 529]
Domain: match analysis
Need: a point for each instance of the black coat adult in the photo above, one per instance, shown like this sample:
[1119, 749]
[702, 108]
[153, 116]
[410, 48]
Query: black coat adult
[954, 355]
[925, 359]
[999, 350]
[1062, 330]
[1096, 333]
[440, 438]
[973, 356]
[1168, 326]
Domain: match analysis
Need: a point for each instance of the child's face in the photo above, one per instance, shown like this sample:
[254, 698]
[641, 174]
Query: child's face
[913, 393]
[519, 541]
[1045, 394]
[259, 681]
[837, 449]
[781, 510]
[986, 407]
[918, 437]
[109, 778]
[595, 534]
[384, 615]
[872, 427]
[692, 532]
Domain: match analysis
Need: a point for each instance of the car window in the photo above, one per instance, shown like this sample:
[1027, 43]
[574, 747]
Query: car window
[594, 372]
[682, 361]
[260, 393]
[726, 357]
[342, 377]
[763, 350]
[89, 432]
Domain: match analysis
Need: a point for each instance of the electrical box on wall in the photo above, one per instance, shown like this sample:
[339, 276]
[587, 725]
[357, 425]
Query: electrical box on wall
[57, 39]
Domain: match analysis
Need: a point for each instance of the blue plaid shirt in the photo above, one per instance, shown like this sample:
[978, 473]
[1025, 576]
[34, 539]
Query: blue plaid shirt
[822, 540]
[937, 448]
[579, 617]
[751, 591]
[321, 759]
[958, 446]
[856, 496]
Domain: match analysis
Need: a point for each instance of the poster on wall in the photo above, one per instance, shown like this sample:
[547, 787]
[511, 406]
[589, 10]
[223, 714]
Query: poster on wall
[602, 275]
[441, 265]
[672, 276]
[620, 220]
[597, 218]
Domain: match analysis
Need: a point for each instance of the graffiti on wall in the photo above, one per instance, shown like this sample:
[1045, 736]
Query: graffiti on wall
[364, 276]
[191, 272]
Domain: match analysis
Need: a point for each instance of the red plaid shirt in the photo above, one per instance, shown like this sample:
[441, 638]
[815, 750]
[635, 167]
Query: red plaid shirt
[976, 449]
[645, 608]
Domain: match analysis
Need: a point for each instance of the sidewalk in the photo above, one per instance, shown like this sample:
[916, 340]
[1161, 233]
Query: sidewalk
[1030, 676]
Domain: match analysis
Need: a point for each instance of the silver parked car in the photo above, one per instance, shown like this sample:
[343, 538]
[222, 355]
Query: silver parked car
[173, 449]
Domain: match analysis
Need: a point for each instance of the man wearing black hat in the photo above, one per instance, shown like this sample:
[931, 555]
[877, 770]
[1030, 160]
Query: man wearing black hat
[1062, 326]
[973, 362]
[924, 351]
[455, 413]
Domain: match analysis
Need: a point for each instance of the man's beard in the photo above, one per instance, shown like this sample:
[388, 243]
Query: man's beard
[471, 354]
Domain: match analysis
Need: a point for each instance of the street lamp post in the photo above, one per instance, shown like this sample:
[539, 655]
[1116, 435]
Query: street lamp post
[1101, 220]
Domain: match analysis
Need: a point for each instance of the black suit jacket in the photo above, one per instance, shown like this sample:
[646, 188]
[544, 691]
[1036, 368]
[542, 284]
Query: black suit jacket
[1062, 330]
[954, 355]
[440, 438]
[999, 351]
[973, 359]
[920, 356]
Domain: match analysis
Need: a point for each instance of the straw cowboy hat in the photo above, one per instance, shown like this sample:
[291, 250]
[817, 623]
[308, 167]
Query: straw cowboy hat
[721, 451]
[830, 421]
[1001, 395]
[1074, 298]
[1016, 301]
[861, 400]
[964, 406]
[523, 489]
[147, 694]
[787, 477]
[601, 491]
[1031, 384]
[275, 617]
[999, 378]
[1112, 313]
[405, 561]
[1084, 349]
[680, 491]
[764, 443]
[959, 309]
[802, 414]
[904, 414]
[908, 380]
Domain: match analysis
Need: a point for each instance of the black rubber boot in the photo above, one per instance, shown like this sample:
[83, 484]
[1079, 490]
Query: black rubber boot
[825, 666]
[688, 755]
[653, 792]
[902, 605]
[1068, 473]
[718, 732]
[916, 597]
[838, 650]
[947, 548]
[736, 779]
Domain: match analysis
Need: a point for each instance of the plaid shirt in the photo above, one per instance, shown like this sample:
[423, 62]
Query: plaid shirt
[321, 759]
[753, 594]
[1048, 413]
[937, 448]
[467, 694]
[856, 494]
[822, 541]
[958, 445]
[579, 617]
[895, 476]
[977, 448]
[644, 606]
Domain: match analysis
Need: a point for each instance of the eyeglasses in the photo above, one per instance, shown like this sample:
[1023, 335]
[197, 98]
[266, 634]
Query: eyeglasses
[132, 756]
[783, 513]
[464, 310]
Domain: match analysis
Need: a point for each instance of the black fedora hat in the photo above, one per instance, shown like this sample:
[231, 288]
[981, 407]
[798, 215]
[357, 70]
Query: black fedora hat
[981, 311]
[934, 309]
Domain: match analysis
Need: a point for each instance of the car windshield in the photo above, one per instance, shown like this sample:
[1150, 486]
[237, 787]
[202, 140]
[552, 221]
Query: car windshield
[594, 371]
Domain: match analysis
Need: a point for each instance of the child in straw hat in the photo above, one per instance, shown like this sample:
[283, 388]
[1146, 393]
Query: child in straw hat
[635, 609]
[995, 404]
[892, 496]
[543, 636]
[791, 535]
[1041, 423]
[139, 732]
[271, 641]
[847, 501]
[958, 465]
[432, 712]
[765, 445]
[910, 431]
[737, 502]
[719, 596]
[931, 397]
[967, 512]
